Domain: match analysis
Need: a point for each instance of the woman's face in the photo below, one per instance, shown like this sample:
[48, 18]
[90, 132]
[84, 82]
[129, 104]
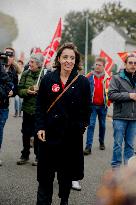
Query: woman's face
[67, 60]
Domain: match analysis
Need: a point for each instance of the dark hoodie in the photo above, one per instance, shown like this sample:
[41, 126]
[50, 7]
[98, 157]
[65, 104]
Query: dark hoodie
[5, 87]
[131, 77]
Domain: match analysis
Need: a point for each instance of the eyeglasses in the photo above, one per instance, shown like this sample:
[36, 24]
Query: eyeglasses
[131, 63]
[97, 64]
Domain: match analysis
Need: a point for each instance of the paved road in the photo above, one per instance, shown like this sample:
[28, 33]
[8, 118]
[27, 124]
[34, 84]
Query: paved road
[18, 184]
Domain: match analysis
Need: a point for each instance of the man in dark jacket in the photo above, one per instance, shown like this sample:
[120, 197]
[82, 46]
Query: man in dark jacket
[122, 92]
[10, 80]
[5, 90]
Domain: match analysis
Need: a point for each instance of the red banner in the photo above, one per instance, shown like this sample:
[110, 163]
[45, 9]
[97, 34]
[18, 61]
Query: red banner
[36, 50]
[123, 55]
[109, 62]
[52, 48]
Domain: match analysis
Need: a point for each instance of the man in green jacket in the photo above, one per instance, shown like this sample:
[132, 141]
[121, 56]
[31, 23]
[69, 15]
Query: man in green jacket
[27, 89]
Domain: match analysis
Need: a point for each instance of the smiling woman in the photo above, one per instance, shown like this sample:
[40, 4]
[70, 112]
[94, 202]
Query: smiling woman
[62, 114]
[67, 60]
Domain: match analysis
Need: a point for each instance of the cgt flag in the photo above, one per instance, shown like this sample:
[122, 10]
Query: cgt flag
[36, 50]
[51, 49]
[123, 55]
[109, 62]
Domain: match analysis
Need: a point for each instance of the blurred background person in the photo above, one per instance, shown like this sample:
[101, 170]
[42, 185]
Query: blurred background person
[17, 99]
[118, 187]
[99, 81]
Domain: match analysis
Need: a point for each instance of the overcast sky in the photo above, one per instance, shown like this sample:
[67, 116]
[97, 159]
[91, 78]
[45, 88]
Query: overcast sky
[37, 19]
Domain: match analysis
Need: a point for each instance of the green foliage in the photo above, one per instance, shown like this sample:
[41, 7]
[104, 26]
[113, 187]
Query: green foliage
[91, 60]
[115, 13]
[75, 30]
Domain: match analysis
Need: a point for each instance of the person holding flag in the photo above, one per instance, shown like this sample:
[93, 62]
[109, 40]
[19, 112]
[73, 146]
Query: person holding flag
[27, 89]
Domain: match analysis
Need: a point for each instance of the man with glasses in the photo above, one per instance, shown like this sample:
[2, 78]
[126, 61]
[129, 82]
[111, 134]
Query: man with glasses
[99, 81]
[122, 92]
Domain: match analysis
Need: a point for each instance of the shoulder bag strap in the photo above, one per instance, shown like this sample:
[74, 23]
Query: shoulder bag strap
[74, 79]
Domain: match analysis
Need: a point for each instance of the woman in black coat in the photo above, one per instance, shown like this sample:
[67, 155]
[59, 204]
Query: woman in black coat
[60, 130]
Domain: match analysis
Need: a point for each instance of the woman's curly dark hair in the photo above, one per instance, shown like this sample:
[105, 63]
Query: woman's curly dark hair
[71, 46]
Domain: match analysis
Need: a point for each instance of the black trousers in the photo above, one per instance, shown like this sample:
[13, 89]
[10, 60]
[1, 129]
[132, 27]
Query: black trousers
[28, 131]
[45, 191]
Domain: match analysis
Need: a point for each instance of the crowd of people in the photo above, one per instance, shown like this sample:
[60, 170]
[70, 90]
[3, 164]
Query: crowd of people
[59, 106]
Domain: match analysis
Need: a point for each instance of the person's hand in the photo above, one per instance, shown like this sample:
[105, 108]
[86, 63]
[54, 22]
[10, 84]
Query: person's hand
[10, 93]
[31, 92]
[132, 96]
[41, 135]
[36, 88]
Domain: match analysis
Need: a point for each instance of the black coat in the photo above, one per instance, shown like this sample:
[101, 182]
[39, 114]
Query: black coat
[64, 125]
[6, 86]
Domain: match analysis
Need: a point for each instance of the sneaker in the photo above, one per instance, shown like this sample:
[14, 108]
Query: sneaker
[35, 162]
[0, 163]
[22, 160]
[87, 151]
[102, 147]
[76, 185]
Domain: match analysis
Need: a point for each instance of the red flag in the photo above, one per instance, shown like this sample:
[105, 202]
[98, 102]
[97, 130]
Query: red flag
[123, 55]
[109, 62]
[36, 50]
[51, 49]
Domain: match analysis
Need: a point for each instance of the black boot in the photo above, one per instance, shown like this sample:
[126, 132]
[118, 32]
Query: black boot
[64, 202]
[43, 198]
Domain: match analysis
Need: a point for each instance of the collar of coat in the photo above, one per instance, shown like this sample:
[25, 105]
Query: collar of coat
[72, 75]
[106, 76]
[123, 76]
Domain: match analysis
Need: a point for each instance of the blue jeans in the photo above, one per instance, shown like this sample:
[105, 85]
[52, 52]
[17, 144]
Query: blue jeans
[18, 104]
[3, 118]
[101, 111]
[124, 130]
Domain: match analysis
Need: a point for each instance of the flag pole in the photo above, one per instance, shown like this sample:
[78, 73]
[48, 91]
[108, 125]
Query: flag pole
[55, 42]
[42, 68]
[86, 46]
[39, 75]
